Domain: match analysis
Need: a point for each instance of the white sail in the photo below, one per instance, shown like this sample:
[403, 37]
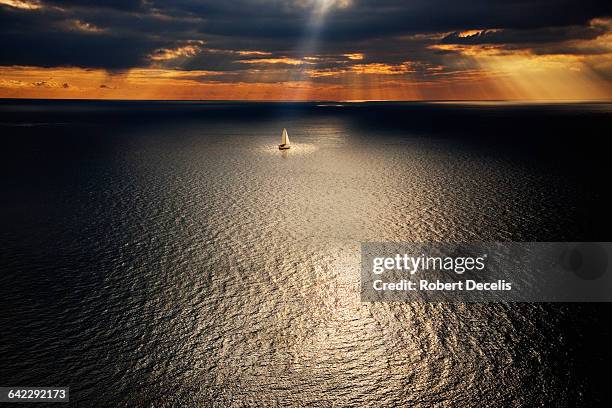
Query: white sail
[285, 138]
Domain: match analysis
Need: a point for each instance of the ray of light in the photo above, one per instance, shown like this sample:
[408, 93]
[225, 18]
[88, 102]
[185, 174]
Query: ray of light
[308, 46]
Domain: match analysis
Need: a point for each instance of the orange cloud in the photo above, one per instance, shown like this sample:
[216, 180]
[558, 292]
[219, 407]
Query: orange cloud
[22, 4]
[494, 76]
[382, 69]
[253, 53]
[165, 54]
[283, 60]
[570, 70]
[366, 69]
[354, 57]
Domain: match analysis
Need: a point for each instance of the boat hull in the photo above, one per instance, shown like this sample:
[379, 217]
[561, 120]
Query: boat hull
[283, 147]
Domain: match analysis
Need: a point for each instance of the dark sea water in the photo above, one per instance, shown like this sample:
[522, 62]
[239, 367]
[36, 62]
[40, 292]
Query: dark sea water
[167, 254]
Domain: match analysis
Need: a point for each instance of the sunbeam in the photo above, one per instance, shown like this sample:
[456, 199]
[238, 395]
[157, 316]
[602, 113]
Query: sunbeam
[308, 46]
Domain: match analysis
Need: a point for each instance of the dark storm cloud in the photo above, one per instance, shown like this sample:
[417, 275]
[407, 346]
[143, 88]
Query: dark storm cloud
[53, 49]
[125, 33]
[372, 19]
[213, 61]
[49, 37]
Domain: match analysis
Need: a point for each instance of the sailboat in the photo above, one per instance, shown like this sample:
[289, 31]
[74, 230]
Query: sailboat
[284, 141]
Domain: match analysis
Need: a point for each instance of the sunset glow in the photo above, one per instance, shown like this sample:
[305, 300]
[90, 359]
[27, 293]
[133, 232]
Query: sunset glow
[85, 54]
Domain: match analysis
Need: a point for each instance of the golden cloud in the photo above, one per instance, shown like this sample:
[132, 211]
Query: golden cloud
[22, 4]
[188, 50]
[253, 53]
[364, 69]
[383, 69]
[283, 60]
[355, 57]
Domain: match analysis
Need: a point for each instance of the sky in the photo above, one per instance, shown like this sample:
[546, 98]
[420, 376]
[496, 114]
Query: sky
[344, 50]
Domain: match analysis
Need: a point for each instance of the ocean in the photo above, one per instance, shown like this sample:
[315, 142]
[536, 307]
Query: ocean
[168, 254]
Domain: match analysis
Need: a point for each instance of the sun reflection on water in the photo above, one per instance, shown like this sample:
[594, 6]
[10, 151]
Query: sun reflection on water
[298, 149]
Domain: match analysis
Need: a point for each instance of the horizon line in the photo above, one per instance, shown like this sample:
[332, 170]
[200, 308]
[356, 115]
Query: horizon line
[525, 101]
